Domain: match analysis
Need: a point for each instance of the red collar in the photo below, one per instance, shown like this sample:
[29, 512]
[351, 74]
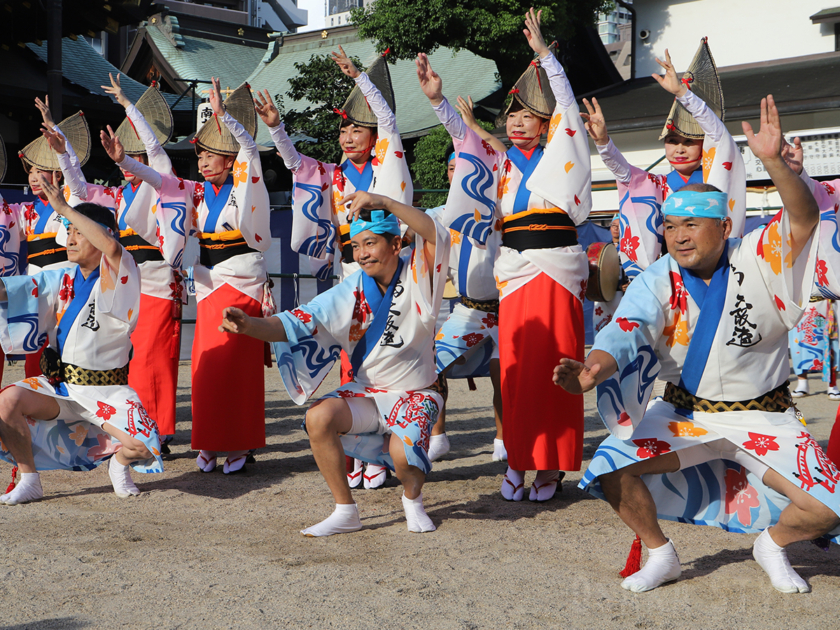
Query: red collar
[530, 151]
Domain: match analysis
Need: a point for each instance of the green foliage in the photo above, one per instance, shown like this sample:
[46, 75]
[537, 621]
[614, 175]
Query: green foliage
[429, 168]
[321, 82]
[489, 28]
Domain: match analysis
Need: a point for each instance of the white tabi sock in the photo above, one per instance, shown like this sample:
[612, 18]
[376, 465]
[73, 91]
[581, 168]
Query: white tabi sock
[545, 485]
[121, 479]
[662, 566]
[206, 461]
[773, 559]
[415, 515]
[235, 462]
[343, 520]
[28, 489]
[438, 446]
[354, 479]
[499, 450]
[375, 476]
[513, 485]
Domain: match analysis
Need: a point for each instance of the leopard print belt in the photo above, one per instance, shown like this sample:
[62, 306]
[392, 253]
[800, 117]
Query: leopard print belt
[488, 306]
[774, 401]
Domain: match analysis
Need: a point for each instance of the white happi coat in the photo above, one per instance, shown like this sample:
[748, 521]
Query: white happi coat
[399, 367]
[97, 338]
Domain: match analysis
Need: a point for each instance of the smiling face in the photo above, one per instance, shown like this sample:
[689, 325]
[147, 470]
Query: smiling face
[696, 243]
[34, 174]
[356, 142]
[130, 177]
[377, 255]
[214, 167]
[683, 153]
[80, 251]
[524, 128]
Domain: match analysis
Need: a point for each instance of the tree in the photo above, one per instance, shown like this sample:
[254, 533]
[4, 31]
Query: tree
[320, 82]
[488, 28]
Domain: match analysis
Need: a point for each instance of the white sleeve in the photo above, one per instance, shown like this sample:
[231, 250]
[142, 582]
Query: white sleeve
[146, 173]
[284, 144]
[384, 116]
[242, 136]
[711, 125]
[69, 163]
[615, 161]
[560, 86]
[451, 120]
[158, 159]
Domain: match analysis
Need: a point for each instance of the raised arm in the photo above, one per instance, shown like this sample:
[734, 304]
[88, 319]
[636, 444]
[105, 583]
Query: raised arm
[560, 86]
[97, 235]
[67, 159]
[465, 107]
[385, 118]
[114, 148]
[799, 203]
[239, 132]
[432, 86]
[267, 111]
[596, 127]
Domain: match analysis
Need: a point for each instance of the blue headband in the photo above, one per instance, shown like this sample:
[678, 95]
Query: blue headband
[67, 223]
[452, 156]
[688, 203]
[378, 224]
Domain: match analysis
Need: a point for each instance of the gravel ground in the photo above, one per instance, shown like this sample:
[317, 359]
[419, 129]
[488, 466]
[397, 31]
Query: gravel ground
[210, 551]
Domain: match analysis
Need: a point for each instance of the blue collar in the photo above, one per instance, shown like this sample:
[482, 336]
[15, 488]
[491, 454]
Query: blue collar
[129, 192]
[675, 180]
[81, 295]
[527, 167]
[44, 211]
[216, 202]
[360, 181]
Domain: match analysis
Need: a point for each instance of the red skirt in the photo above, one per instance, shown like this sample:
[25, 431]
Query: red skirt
[228, 379]
[153, 372]
[833, 450]
[539, 324]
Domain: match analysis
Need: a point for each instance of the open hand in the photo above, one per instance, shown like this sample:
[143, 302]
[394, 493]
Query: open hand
[575, 377]
[44, 108]
[235, 320]
[533, 21]
[767, 143]
[55, 139]
[465, 108]
[111, 143]
[216, 98]
[266, 109]
[345, 63]
[362, 200]
[54, 194]
[116, 91]
[669, 80]
[430, 82]
[793, 155]
[596, 125]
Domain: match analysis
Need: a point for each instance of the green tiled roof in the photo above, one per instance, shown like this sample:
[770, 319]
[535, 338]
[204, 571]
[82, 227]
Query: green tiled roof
[202, 58]
[463, 73]
[82, 65]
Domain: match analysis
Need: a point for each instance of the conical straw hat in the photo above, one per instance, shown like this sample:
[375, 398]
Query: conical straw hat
[533, 91]
[156, 112]
[214, 135]
[702, 79]
[2, 160]
[356, 108]
[39, 154]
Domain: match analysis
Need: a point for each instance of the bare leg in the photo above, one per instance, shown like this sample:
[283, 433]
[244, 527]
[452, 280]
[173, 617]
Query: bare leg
[496, 380]
[17, 403]
[439, 442]
[326, 420]
[412, 479]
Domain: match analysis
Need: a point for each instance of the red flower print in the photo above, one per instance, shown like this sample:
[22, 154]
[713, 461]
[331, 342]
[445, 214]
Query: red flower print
[679, 294]
[472, 339]
[822, 269]
[198, 195]
[159, 238]
[6, 207]
[651, 447]
[371, 390]
[599, 311]
[338, 180]
[490, 320]
[105, 411]
[828, 188]
[624, 419]
[362, 309]
[30, 215]
[817, 366]
[35, 290]
[582, 293]
[629, 244]
[740, 495]
[761, 443]
[490, 150]
[626, 325]
[346, 393]
[779, 304]
[302, 315]
[66, 292]
[321, 168]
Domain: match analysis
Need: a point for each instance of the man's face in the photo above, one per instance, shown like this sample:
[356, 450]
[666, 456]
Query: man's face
[80, 251]
[696, 243]
[615, 230]
[376, 254]
[356, 142]
[130, 177]
[214, 167]
[524, 128]
[35, 181]
[683, 153]
[450, 170]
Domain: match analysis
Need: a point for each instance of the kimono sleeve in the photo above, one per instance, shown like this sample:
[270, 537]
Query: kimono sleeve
[640, 219]
[29, 313]
[11, 233]
[119, 289]
[313, 229]
[430, 282]
[827, 195]
[252, 199]
[163, 223]
[789, 281]
[630, 338]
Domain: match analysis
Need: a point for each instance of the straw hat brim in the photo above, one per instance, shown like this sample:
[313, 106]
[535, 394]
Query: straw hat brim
[158, 116]
[39, 154]
[356, 109]
[214, 135]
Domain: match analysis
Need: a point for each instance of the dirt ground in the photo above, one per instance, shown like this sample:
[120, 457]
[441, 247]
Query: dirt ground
[209, 551]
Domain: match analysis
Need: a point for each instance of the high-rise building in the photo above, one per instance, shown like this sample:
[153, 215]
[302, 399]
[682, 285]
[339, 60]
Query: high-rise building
[338, 11]
[609, 24]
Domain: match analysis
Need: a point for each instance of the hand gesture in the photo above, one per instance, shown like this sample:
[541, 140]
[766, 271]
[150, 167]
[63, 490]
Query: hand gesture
[112, 144]
[235, 320]
[116, 91]
[345, 63]
[669, 80]
[596, 125]
[361, 200]
[533, 21]
[55, 139]
[793, 155]
[767, 143]
[266, 109]
[465, 108]
[53, 193]
[575, 377]
[430, 82]
[44, 108]
[216, 98]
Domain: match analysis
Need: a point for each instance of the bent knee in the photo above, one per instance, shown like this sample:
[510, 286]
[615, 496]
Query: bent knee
[322, 416]
[10, 401]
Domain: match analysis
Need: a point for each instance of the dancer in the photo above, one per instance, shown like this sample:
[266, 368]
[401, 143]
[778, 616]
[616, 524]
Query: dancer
[724, 446]
[537, 196]
[602, 312]
[82, 410]
[383, 317]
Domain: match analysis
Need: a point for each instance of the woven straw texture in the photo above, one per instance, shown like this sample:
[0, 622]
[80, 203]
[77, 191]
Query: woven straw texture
[156, 112]
[356, 107]
[215, 137]
[39, 154]
[702, 79]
